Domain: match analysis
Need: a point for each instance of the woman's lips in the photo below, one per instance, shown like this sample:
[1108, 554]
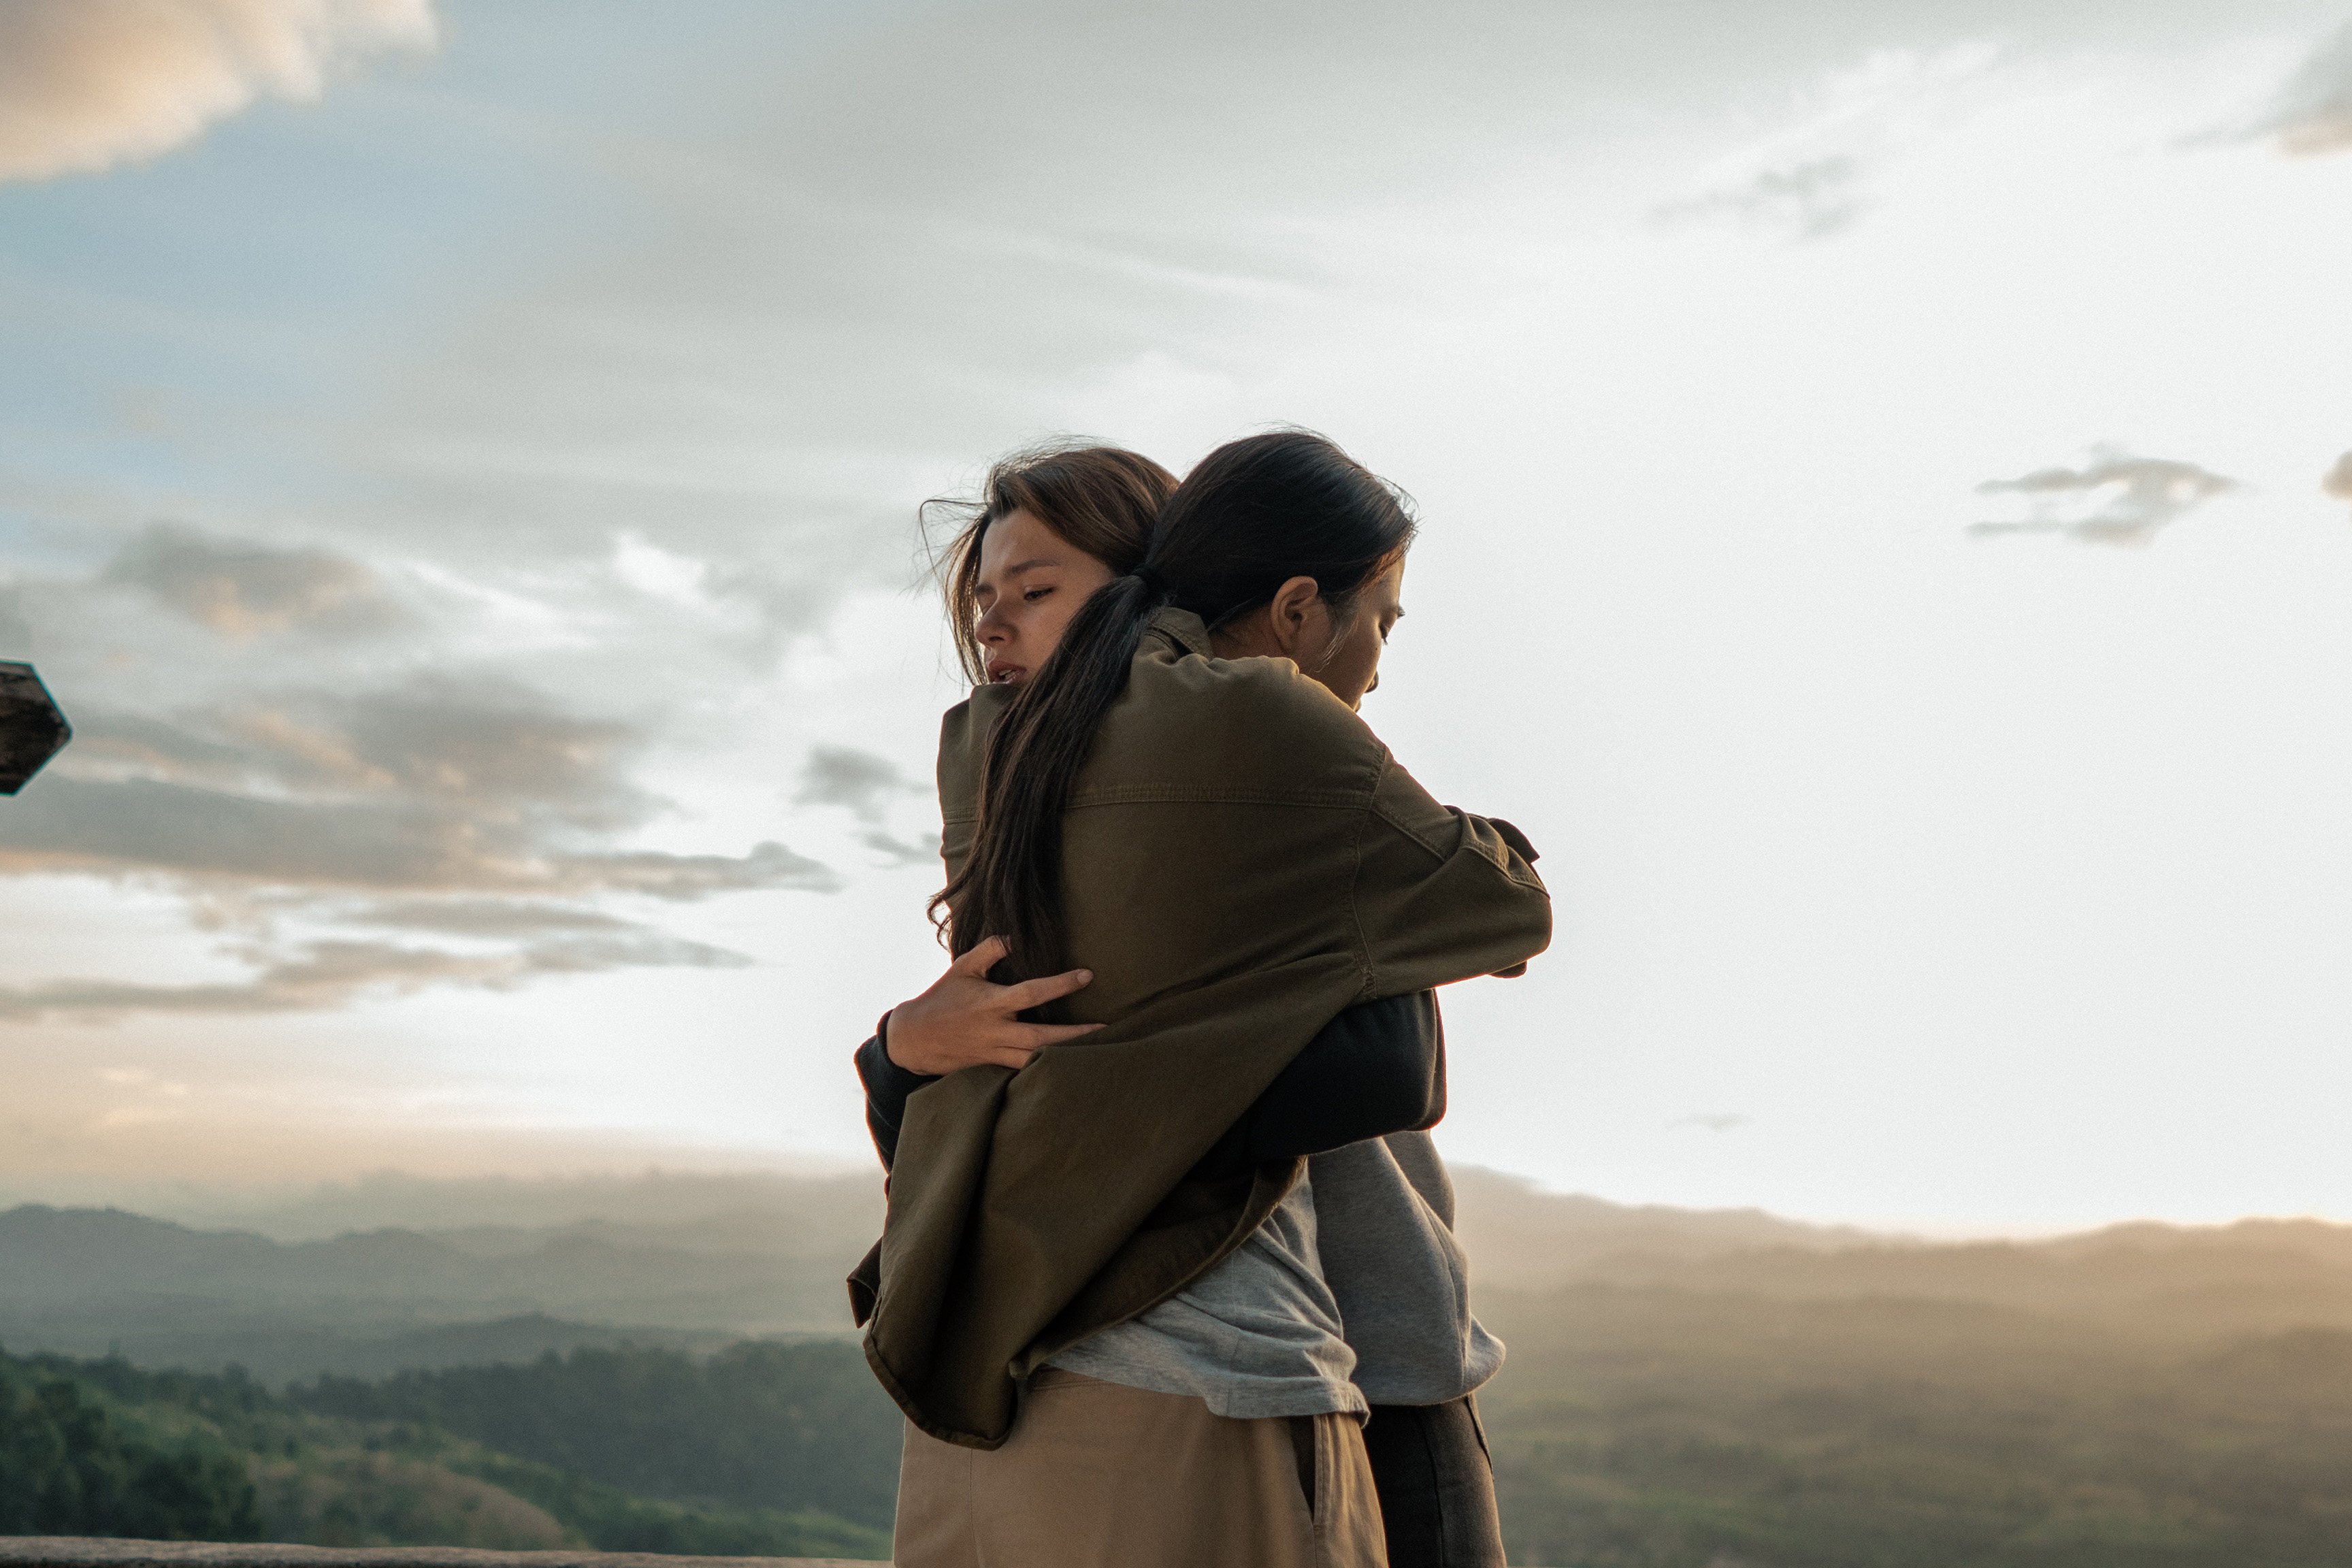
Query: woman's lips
[1005, 674]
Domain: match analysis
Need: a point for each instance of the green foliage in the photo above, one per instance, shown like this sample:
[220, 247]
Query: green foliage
[776, 1425]
[70, 1466]
[103, 1448]
[1647, 1428]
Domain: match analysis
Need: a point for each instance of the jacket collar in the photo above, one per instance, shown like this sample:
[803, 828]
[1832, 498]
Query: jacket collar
[1182, 627]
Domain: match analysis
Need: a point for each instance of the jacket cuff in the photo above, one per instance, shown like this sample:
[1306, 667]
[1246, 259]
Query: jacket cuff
[884, 1078]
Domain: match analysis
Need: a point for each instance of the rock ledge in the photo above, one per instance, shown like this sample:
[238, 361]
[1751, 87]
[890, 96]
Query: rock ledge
[91, 1552]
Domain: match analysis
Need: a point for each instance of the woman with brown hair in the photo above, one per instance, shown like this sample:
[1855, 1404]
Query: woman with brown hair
[1257, 1336]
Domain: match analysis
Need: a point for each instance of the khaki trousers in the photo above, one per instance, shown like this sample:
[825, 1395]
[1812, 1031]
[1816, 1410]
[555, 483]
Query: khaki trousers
[1098, 1475]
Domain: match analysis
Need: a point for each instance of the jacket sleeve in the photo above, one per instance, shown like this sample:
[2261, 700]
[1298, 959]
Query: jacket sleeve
[887, 1085]
[1441, 895]
[1377, 1068]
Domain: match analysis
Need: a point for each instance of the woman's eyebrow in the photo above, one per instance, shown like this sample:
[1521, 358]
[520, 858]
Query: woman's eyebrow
[1028, 565]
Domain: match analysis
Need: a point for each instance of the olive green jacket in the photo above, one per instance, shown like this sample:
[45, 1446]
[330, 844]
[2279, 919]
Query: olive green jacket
[1242, 861]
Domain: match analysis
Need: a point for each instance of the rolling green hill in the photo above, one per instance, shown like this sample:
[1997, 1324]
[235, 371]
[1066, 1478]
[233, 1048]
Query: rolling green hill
[757, 1424]
[1648, 1427]
[101, 1447]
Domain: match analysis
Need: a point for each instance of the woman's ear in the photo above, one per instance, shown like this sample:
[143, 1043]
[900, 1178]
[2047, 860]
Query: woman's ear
[1297, 606]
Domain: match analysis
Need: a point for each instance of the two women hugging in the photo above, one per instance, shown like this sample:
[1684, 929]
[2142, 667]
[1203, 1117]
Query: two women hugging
[1169, 1274]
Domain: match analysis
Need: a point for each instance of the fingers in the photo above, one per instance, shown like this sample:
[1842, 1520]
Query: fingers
[985, 956]
[1036, 992]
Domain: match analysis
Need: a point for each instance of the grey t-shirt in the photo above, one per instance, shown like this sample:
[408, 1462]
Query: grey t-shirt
[1258, 1335]
[1402, 1285]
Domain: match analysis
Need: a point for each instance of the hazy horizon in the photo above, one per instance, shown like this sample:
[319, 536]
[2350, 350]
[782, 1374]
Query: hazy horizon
[698, 1183]
[1886, 483]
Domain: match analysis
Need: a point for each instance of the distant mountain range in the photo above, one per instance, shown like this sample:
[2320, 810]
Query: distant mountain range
[1520, 1236]
[86, 1281]
[402, 1272]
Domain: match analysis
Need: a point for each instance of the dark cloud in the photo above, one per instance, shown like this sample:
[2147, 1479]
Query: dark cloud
[327, 975]
[473, 810]
[2116, 499]
[900, 851]
[157, 748]
[2338, 483]
[842, 776]
[442, 784]
[2313, 115]
[241, 589]
[496, 748]
[146, 825]
[490, 746]
[867, 786]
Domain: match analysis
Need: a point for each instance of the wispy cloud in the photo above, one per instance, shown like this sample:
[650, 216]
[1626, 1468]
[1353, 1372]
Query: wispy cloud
[326, 975]
[2313, 112]
[1811, 200]
[482, 916]
[2115, 499]
[86, 84]
[1713, 1121]
[1805, 179]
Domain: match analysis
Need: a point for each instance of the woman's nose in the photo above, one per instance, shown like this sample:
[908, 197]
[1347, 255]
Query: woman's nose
[992, 627]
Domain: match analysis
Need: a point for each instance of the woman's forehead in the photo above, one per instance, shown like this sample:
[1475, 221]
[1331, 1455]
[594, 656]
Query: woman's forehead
[1017, 541]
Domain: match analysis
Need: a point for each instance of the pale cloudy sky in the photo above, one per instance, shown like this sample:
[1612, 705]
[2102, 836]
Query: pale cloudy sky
[1887, 535]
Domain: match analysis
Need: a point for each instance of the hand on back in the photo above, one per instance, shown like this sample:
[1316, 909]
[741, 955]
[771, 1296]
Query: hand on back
[966, 1020]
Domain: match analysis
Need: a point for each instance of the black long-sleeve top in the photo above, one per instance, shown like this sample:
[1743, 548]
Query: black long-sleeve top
[1377, 1068]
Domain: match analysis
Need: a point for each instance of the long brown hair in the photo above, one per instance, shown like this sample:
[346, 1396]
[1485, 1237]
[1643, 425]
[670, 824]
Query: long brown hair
[1100, 499]
[1255, 513]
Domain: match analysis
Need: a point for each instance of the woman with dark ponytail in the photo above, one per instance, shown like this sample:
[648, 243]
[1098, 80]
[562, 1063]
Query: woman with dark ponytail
[1175, 801]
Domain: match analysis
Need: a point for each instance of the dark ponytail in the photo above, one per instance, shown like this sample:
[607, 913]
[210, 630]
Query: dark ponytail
[1253, 515]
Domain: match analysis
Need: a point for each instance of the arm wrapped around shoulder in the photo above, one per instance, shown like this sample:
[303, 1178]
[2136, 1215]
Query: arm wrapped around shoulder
[1441, 895]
